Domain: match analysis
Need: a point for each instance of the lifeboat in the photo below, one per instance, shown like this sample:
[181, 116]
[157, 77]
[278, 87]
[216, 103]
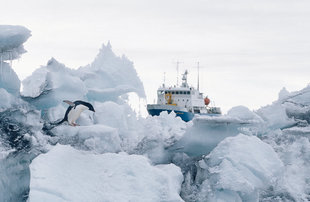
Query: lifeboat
[207, 101]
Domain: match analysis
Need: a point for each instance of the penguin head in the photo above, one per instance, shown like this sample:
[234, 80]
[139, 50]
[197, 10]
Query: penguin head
[91, 108]
[88, 105]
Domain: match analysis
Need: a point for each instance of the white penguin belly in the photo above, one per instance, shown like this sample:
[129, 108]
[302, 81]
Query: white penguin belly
[75, 113]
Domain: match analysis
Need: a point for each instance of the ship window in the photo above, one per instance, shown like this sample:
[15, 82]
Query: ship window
[177, 92]
[183, 100]
[188, 92]
[166, 92]
[160, 92]
[173, 92]
[196, 111]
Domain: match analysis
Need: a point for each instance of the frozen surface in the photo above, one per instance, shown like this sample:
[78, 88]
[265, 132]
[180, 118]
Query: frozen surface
[66, 174]
[9, 79]
[48, 86]
[238, 168]
[113, 73]
[6, 99]
[106, 79]
[11, 41]
[98, 138]
[11, 47]
[289, 110]
[36, 85]
[159, 134]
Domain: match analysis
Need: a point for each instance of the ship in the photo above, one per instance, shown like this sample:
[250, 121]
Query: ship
[185, 101]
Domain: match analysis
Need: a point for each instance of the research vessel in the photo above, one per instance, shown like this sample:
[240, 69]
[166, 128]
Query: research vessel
[184, 100]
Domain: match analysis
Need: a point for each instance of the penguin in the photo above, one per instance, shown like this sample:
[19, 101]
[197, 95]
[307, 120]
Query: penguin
[74, 111]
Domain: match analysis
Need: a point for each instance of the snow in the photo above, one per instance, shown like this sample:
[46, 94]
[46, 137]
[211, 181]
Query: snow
[66, 174]
[98, 138]
[240, 166]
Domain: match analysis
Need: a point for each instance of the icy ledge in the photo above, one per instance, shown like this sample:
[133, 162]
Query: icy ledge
[238, 168]
[11, 41]
[66, 174]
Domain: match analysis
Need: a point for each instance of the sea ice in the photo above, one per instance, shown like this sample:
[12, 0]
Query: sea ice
[99, 138]
[6, 99]
[66, 174]
[238, 168]
[9, 79]
[11, 41]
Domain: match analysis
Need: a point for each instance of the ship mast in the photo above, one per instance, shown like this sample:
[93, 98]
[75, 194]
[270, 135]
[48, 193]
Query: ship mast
[178, 73]
[164, 84]
[198, 76]
[178, 64]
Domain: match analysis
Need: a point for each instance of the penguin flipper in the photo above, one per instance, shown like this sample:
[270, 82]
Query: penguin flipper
[56, 123]
[69, 103]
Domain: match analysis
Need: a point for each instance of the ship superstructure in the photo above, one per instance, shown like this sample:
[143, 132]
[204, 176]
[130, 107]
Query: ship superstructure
[184, 100]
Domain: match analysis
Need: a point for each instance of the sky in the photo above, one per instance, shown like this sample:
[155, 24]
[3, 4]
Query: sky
[248, 50]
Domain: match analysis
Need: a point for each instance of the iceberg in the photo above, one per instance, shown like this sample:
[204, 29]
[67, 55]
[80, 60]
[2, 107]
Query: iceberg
[159, 134]
[11, 47]
[109, 71]
[289, 110]
[48, 86]
[67, 174]
[11, 41]
[9, 79]
[106, 79]
[238, 168]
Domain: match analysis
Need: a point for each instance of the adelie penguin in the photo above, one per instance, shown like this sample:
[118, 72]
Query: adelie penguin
[72, 114]
[74, 111]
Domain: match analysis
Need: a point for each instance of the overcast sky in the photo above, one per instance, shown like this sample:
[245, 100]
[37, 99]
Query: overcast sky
[248, 49]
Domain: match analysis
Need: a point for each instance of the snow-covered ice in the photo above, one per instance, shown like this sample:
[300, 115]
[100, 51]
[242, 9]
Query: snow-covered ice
[66, 174]
[11, 41]
[238, 168]
[98, 138]
[11, 47]
[116, 155]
